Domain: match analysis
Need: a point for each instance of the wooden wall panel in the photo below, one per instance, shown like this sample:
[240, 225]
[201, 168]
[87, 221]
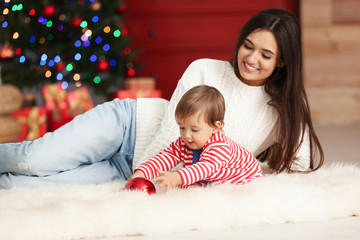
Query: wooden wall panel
[332, 70]
[332, 60]
[336, 38]
[345, 11]
[315, 13]
[334, 105]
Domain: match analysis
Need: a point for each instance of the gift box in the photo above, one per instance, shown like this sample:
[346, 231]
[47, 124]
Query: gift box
[122, 94]
[61, 106]
[79, 101]
[55, 105]
[32, 121]
[139, 84]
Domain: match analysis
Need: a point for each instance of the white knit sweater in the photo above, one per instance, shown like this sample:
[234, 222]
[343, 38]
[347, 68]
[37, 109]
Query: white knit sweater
[249, 120]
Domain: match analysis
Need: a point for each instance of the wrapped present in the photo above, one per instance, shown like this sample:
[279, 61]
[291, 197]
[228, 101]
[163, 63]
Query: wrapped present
[55, 105]
[33, 122]
[122, 94]
[139, 84]
[79, 101]
[61, 106]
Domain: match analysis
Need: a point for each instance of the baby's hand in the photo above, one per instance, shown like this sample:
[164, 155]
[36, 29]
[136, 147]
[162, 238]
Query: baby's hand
[168, 179]
[136, 174]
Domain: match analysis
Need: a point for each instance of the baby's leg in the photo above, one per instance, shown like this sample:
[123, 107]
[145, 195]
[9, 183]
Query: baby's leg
[91, 137]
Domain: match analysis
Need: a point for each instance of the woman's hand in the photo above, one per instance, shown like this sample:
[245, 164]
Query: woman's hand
[168, 179]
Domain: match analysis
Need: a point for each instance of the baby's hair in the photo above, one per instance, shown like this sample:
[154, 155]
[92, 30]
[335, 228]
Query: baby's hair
[204, 100]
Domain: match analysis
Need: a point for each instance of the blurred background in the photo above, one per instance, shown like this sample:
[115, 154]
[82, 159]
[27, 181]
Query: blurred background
[61, 58]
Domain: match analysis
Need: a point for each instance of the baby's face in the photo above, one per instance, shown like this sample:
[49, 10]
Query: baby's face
[195, 131]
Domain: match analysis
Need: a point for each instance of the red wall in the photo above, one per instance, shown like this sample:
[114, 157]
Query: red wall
[170, 34]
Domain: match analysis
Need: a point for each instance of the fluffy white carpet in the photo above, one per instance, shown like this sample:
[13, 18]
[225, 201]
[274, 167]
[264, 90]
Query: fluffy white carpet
[73, 212]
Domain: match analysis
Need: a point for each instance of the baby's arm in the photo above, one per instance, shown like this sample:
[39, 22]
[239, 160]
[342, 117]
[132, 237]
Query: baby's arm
[165, 160]
[168, 179]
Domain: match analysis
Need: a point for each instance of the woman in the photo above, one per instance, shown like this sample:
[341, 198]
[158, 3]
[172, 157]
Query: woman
[267, 107]
[267, 113]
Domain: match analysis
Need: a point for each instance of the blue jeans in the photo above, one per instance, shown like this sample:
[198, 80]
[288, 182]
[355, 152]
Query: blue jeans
[95, 147]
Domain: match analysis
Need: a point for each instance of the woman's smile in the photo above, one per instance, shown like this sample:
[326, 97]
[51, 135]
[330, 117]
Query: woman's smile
[250, 68]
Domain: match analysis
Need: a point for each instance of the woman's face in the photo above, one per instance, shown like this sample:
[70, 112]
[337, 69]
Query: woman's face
[257, 57]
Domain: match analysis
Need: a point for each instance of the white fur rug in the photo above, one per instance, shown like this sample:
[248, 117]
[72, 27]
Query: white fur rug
[74, 212]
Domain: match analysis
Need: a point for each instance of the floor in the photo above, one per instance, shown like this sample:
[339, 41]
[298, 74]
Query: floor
[340, 143]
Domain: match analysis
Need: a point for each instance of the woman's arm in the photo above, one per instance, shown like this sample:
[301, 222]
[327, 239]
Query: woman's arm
[302, 162]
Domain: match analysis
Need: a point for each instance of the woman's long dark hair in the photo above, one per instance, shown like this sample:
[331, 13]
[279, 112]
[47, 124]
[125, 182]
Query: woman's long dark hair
[286, 88]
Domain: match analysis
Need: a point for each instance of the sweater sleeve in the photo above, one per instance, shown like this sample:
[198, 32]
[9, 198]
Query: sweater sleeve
[168, 131]
[165, 160]
[303, 155]
[210, 162]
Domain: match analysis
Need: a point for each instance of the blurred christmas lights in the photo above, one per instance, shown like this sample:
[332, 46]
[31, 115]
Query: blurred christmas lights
[92, 37]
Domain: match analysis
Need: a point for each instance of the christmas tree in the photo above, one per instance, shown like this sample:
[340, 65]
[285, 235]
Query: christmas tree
[75, 41]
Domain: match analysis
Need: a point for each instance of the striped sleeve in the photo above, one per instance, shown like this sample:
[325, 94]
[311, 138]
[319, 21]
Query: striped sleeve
[165, 160]
[211, 160]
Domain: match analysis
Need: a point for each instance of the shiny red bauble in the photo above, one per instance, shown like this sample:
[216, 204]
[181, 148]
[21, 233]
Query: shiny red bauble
[76, 21]
[49, 10]
[60, 66]
[141, 184]
[103, 66]
[121, 9]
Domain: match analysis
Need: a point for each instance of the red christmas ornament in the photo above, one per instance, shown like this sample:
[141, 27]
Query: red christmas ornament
[141, 184]
[76, 21]
[60, 66]
[49, 10]
[103, 65]
[124, 32]
[121, 9]
[18, 51]
[131, 72]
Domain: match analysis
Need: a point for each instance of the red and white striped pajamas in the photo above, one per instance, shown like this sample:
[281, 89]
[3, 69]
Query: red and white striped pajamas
[221, 161]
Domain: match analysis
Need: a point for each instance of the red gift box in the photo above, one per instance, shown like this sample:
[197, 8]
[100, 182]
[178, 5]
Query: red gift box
[122, 94]
[139, 84]
[61, 106]
[55, 105]
[33, 122]
[79, 101]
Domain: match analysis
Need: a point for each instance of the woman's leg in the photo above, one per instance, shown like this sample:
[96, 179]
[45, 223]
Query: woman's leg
[91, 137]
[95, 173]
